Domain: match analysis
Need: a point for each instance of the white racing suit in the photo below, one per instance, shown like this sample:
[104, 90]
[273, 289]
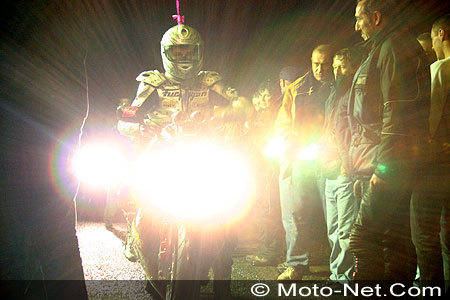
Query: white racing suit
[158, 98]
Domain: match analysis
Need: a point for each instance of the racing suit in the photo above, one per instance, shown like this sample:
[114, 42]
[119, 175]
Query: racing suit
[388, 108]
[158, 99]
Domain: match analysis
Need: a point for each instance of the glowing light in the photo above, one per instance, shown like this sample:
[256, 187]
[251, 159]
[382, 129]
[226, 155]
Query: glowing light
[382, 169]
[310, 152]
[237, 104]
[276, 147]
[99, 164]
[59, 165]
[194, 181]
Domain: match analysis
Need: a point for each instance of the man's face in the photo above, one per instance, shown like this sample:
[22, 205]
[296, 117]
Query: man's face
[437, 44]
[364, 23]
[321, 66]
[342, 67]
[183, 52]
[265, 99]
[256, 103]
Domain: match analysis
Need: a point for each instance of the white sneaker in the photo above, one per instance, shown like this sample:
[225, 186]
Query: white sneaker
[290, 274]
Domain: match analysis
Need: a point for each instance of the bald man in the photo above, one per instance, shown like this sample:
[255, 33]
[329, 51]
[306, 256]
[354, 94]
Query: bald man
[300, 120]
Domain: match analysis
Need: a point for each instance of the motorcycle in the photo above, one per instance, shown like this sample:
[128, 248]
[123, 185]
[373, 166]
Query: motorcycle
[190, 187]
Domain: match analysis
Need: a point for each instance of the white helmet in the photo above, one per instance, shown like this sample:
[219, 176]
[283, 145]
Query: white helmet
[181, 52]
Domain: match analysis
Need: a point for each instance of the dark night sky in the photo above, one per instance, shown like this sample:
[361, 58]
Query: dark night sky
[44, 45]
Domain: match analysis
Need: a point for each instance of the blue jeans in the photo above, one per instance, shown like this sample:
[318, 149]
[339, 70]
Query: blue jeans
[342, 209]
[299, 196]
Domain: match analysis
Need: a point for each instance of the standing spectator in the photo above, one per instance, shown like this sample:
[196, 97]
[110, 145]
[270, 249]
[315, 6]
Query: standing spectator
[267, 195]
[341, 204]
[389, 106]
[287, 76]
[299, 120]
[430, 206]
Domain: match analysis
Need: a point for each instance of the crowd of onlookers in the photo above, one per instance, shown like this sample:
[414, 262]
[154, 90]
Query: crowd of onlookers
[364, 138]
[367, 133]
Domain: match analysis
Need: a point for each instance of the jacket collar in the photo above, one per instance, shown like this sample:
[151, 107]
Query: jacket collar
[379, 37]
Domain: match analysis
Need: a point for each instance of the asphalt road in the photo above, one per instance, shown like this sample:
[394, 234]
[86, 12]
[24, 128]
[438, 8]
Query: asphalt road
[110, 275]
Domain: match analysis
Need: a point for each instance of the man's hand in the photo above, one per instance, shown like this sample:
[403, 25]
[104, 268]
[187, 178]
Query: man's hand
[377, 184]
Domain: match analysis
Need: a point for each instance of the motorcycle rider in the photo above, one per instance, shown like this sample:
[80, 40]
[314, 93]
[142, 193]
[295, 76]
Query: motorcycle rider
[183, 88]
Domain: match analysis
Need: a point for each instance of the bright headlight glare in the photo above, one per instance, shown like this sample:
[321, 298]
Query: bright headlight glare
[100, 164]
[310, 152]
[276, 147]
[194, 180]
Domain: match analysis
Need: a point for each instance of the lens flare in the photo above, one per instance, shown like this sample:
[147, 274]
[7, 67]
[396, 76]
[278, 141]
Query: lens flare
[194, 181]
[99, 164]
[310, 152]
[276, 147]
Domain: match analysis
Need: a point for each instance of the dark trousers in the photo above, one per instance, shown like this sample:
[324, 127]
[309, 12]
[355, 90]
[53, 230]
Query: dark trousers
[430, 223]
[269, 218]
[380, 238]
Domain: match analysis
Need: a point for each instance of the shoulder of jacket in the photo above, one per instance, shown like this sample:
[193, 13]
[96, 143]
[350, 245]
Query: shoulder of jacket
[402, 42]
[153, 78]
[209, 78]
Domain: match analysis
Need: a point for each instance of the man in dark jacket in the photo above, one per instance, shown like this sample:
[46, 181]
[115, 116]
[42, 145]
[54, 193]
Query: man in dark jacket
[341, 205]
[388, 104]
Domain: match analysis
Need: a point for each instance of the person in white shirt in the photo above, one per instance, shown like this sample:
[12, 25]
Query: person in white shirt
[430, 205]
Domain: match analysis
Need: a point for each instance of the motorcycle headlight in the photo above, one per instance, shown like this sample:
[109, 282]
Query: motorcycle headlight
[194, 180]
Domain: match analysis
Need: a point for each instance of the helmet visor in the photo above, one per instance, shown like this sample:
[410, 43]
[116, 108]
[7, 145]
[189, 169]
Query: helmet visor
[182, 53]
